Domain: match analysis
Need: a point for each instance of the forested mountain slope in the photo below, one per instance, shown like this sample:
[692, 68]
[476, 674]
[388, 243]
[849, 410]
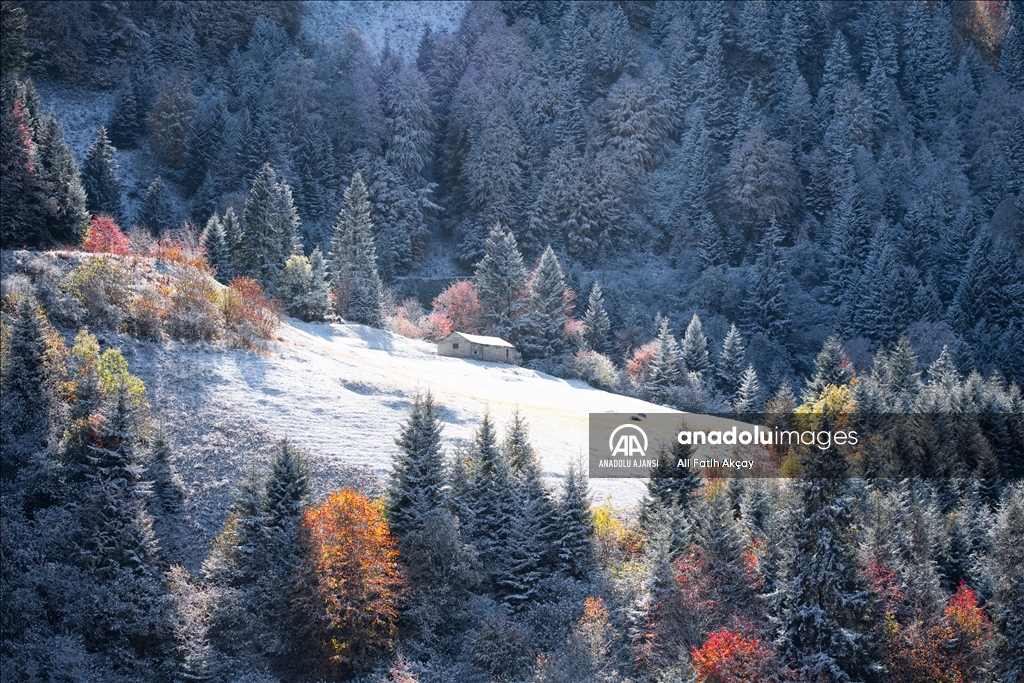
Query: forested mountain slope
[882, 140]
[231, 231]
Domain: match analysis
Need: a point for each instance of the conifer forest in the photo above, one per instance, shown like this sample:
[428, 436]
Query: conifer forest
[809, 211]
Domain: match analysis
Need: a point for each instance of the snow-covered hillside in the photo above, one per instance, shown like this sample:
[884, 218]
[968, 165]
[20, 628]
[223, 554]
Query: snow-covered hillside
[342, 391]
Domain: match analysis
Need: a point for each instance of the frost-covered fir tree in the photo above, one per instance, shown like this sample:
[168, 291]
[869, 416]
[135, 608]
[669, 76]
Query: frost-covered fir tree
[232, 237]
[760, 178]
[353, 259]
[598, 326]
[206, 138]
[825, 617]
[534, 528]
[664, 371]
[549, 308]
[670, 486]
[493, 174]
[318, 303]
[259, 254]
[408, 120]
[575, 545]
[748, 393]
[694, 351]
[1007, 538]
[767, 306]
[125, 122]
[218, 255]
[314, 163]
[287, 494]
[831, 367]
[64, 196]
[157, 212]
[21, 215]
[502, 286]
[99, 178]
[25, 401]
[714, 99]
[268, 232]
[417, 482]
[204, 201]
[397, 212]
[711, 247]
[489, 503]
[729, 367]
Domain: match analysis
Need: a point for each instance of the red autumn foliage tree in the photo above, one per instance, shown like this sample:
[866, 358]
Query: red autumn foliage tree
[351, 582]
[456, 309]
[971, 634]
[105, 237]
[639, 366]
[728, 657]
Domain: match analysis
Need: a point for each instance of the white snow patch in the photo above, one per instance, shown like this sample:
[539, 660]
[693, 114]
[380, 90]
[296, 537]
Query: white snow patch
[343, 392]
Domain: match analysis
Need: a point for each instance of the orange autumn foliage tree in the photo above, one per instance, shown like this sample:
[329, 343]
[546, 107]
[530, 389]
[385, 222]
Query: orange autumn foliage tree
[919, 646]
[971, 634]
[728, 657]
[351, 583]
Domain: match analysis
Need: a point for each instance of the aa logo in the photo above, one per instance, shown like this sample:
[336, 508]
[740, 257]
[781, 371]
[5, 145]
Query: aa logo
[628, 442]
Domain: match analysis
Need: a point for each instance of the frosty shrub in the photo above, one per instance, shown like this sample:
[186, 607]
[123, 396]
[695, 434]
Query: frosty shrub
[248, 314]
[103, 236]
[192, 311]
[639, 366]
[408, 320]
[303, 287]
[595, 369]
[46, 278]
[100, 285]
[501, 648]
[145, 313]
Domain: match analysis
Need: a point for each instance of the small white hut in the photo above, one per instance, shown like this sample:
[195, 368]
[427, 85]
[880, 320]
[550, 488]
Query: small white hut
[462, 345]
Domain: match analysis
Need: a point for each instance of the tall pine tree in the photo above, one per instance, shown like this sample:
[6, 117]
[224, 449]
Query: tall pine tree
[157, 212]
[598, 327]
[99, 178]
[353, 259]
[502, 287]
[550, 306]
[417, 481]
[218, 255]
[730, 362]
[825, 614]
[21, 215]
[64, 196]
[268, 232]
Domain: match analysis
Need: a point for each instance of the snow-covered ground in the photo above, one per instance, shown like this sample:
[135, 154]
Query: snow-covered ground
[396, 24]
[342, 391]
